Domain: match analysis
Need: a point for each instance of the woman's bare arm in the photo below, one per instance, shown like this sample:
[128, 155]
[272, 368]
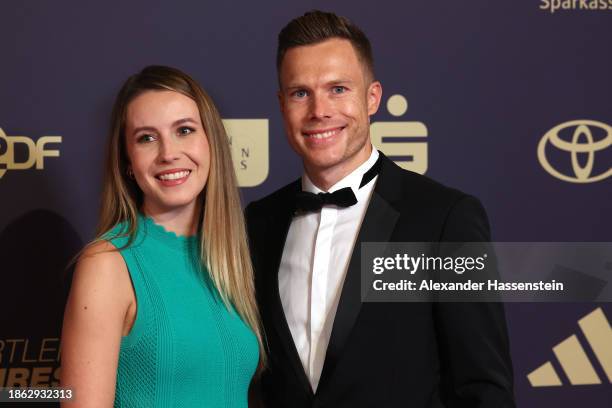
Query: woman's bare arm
[100, 309]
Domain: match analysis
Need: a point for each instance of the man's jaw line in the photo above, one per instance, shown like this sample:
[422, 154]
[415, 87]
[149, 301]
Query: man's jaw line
[324, 177]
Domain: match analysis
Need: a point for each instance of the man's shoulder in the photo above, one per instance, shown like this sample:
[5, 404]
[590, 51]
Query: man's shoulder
[408, 185]
[425, 183]
[274, 202]
[452, 214]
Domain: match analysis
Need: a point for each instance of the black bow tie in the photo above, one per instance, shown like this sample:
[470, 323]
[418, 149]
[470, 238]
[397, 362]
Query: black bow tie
[306, 201]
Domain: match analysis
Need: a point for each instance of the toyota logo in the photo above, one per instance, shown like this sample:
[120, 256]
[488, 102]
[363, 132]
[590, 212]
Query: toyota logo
[582, 141]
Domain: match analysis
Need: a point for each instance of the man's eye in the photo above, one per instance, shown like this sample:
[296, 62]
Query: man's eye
[145, 138]
[300, 94]
[338, 89]
[185, 130]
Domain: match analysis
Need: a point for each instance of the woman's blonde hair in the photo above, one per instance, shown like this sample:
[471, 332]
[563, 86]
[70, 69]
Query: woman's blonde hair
[223, 240]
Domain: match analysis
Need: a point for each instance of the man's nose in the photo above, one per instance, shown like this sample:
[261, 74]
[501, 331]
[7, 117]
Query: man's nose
[320, 106]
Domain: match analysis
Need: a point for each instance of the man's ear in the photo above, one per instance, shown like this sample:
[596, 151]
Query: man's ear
[374, 96]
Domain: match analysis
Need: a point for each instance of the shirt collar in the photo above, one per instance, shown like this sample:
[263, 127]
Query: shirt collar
[352, 180]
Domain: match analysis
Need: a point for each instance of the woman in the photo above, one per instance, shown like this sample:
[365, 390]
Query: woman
[162, 310]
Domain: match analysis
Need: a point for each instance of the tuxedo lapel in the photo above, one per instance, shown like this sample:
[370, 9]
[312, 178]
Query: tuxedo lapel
[377, 226]
[279, 222]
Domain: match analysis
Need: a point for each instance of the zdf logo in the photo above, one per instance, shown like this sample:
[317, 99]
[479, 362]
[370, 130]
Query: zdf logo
[36, 152]
[581, 144]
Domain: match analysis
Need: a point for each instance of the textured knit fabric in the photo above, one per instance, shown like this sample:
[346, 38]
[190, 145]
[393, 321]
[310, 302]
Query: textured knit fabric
[185, 349]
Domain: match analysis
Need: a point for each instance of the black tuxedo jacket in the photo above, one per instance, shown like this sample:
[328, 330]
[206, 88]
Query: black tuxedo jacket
[386, 354]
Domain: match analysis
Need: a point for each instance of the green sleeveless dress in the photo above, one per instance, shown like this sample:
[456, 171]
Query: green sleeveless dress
[185, 349]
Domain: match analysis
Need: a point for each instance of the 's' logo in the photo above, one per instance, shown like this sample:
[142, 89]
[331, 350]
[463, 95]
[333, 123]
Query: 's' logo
[404, 142]
[35, 156]
[581, 142]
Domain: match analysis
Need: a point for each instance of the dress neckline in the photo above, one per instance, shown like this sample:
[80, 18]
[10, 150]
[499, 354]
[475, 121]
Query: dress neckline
[168, 238]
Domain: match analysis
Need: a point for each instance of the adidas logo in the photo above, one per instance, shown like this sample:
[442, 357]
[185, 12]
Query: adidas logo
[574, 360]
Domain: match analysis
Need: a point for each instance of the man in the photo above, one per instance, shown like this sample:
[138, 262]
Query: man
[326, 347]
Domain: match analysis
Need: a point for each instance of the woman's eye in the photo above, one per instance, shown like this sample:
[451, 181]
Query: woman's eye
[184, 130]
[145, 138]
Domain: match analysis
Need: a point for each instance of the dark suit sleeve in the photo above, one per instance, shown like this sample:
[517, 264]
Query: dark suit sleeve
[475, 364]
[249, 218]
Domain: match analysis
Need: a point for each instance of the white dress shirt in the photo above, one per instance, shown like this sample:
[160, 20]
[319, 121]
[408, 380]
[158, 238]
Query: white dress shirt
[313, 266]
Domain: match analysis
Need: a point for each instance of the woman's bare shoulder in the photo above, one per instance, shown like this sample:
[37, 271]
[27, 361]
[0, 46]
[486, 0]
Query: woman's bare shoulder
[100, 272]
